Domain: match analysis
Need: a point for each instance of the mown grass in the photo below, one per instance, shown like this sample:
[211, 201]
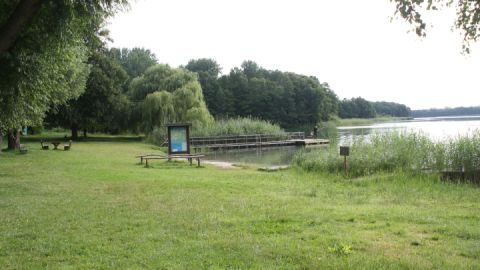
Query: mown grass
[95, 207]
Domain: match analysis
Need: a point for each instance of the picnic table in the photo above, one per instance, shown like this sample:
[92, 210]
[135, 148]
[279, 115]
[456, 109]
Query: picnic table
[55, 145]
[189, 157]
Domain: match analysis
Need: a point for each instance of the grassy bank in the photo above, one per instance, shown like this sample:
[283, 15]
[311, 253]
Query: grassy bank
[366, 121]
[96, 207]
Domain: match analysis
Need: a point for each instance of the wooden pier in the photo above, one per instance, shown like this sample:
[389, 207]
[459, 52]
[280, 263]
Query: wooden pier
[254, 141]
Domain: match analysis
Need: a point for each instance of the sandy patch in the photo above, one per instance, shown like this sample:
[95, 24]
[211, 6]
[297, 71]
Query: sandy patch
[221, 164]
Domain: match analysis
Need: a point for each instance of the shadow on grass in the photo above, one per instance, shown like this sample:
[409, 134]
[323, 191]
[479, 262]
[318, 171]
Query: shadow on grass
[93, 138]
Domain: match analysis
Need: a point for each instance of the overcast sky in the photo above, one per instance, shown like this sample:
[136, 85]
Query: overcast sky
[350, 44]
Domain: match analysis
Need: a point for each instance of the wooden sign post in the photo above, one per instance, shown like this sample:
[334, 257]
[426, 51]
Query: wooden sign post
[179, 138]
[345, 151]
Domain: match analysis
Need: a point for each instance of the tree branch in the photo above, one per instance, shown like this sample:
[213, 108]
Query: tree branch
[20, 17]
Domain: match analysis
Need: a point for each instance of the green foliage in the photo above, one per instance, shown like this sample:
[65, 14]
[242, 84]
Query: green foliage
[391, 109]
[169, 95]
[458, 111]
[208, 72]
[135, 61]
[281, 97]
[102, 107]
[46, 66]
[356, 108]
[159, 78]
[467, 22]
[390, 152]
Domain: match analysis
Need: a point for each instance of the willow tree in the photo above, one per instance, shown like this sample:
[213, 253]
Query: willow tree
[169, 95]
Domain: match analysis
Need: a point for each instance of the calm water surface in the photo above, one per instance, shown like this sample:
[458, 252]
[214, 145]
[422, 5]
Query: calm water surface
[438, 128]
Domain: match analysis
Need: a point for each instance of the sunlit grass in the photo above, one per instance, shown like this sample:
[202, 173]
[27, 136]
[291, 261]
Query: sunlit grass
[96, 207]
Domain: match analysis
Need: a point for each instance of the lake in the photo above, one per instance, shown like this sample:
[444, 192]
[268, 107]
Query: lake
[438, 128]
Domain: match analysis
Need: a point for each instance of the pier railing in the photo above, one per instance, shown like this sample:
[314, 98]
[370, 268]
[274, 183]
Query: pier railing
[246, 139]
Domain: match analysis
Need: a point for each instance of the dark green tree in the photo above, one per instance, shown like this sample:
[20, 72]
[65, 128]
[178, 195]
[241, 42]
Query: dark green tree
[285, 98]
[103, 106]
[208, 72]
[356, 108]
[43, 50]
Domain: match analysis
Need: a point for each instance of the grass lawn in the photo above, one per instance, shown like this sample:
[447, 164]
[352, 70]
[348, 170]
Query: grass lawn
[95, 207]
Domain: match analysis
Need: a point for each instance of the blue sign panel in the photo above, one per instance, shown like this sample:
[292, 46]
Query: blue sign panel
[178, 137]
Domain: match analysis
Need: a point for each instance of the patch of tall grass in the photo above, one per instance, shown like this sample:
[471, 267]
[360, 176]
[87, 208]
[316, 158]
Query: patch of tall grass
[366, 121]
[395, 151]
[223, 127]
[237, 126]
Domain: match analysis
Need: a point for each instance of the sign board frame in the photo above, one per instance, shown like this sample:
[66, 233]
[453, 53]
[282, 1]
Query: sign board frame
[179, 138]
[344, 151]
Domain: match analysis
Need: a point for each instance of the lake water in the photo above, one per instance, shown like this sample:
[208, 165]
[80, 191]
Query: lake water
[266, 156]
[438, 128]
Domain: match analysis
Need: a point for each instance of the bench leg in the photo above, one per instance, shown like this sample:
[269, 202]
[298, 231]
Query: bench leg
[198, 162]
[146, 163]
[190, 160]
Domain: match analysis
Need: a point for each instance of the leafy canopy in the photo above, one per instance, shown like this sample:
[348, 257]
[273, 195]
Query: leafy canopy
[467, 21]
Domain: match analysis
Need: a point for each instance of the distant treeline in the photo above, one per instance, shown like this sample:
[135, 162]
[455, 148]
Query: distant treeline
[127, 90]
[284, 98]
[361, 108]
[458, 111]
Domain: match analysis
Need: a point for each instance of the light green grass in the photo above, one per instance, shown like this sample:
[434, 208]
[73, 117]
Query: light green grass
[95, 207]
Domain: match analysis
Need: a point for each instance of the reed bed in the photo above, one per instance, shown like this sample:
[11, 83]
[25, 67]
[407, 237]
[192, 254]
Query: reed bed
[396, 151]
[223, 127]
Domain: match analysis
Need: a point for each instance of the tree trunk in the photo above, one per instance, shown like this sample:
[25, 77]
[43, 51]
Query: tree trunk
[16, 22]
[1, 142]
[13, 139]
[84, 133]
[74, 129]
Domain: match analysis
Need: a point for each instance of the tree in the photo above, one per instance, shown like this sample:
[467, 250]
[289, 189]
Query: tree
[285, 98]
[43, 50]
[102, 105]
[135, 61]
[208, 71]
[169, 95]
[391, 109]
[356, 108]
[467, 21]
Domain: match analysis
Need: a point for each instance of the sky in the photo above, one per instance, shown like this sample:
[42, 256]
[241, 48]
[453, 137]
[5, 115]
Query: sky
[352, 45]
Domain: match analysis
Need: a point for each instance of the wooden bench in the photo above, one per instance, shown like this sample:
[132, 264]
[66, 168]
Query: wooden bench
[189, 157]
[142, 157]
